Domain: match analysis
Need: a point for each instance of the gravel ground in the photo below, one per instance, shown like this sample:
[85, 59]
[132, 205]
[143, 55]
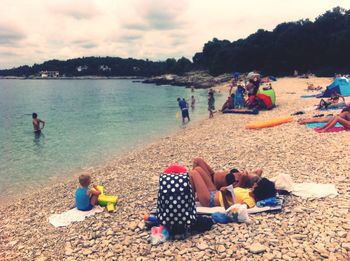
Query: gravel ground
[304, 230]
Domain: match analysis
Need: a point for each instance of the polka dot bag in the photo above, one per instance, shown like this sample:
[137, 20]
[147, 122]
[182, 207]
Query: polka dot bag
[176, 207]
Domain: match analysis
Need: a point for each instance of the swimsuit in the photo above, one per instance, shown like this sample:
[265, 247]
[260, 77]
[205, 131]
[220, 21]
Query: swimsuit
[212, 198]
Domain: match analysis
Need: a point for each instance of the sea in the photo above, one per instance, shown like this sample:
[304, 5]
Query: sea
[88, 122]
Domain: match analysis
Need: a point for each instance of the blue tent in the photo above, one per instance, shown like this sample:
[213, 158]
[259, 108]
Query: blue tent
[340, 85]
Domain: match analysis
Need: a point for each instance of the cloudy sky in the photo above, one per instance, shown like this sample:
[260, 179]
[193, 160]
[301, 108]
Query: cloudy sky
[36, 30]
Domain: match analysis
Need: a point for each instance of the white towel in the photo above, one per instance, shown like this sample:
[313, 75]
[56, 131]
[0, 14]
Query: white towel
[72, 215]
[314, 190]
[304, 190]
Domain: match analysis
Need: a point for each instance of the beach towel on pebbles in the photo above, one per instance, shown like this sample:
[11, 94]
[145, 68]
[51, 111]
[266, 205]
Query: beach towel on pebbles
[304, 190]
[72, 215]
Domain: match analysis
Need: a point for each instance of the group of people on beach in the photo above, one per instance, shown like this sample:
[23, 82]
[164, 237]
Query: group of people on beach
[211, 188]
[243, 92]
[184, 106]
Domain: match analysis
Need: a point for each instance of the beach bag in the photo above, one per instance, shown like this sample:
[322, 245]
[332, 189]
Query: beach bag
[176, 207]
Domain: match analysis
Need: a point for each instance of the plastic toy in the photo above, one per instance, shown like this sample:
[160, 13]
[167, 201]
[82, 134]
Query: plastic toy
[107, 201]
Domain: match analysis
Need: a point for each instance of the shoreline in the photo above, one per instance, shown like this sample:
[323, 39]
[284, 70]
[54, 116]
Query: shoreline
[306, 229]
[88, 77]
[100, 164]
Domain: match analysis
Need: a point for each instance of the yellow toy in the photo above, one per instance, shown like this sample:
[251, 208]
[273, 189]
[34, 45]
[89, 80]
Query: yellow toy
[106, 200]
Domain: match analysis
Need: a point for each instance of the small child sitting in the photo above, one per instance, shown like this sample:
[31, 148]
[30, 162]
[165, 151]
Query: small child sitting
[85, 198]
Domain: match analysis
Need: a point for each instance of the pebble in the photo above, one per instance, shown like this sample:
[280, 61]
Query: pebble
[269, 256]
[256, 248]
[202, 246]
[346, 246]
[221, 249]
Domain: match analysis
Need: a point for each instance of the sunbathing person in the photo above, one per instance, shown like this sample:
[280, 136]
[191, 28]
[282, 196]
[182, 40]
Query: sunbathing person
[232, 177]
[209, 196]
[333, 101]
[343, 118]
[228, 104]
[312, 87]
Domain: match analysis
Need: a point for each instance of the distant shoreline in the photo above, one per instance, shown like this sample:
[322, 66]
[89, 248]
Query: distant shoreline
[90, 77]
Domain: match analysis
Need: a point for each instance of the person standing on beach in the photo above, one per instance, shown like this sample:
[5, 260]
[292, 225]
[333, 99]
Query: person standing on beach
[184, 109]
[193, 102]
[36, 124]
[211, 103]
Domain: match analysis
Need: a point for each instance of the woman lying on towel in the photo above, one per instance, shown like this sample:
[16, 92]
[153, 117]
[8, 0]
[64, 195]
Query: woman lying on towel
[209, 196]
[232, 177]
[343, 118]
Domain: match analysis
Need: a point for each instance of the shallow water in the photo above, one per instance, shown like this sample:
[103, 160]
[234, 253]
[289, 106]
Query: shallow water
[87, 122]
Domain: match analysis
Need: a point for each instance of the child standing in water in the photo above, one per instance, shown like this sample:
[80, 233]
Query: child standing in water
[36, 123]
[85, 198]
[211, 103]
[193, 102]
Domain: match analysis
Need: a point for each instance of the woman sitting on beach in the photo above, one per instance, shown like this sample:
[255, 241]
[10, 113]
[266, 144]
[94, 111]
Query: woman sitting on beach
[343, 118]
[208, 195]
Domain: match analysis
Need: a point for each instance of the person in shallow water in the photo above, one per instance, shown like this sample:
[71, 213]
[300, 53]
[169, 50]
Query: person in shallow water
[36, 124]
[184, 109]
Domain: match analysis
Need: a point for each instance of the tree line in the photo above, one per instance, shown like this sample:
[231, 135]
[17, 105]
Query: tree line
[320, 47]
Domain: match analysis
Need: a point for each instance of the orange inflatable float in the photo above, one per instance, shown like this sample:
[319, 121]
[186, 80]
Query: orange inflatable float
[269, 123]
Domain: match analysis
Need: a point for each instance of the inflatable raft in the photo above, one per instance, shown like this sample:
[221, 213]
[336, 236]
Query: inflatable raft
[269, 123]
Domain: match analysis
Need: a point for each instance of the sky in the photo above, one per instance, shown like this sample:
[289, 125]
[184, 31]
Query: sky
[35, 31]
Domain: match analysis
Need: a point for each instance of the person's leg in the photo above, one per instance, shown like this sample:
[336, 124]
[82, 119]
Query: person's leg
[257, 172]
[313, 120]
[334, 121]
[198, 185]
[206, 178]
[199, 162]
[93, 200]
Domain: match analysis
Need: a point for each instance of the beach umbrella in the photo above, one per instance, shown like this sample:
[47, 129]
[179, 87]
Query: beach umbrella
[251, 75]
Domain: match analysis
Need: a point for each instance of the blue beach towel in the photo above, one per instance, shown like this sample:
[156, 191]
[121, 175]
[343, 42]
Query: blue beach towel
[319, 125]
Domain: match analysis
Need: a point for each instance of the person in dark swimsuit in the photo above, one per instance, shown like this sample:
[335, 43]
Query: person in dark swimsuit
[36, 124]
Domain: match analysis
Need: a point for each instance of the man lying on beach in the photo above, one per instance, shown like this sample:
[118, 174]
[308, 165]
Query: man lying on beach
[343, 118]
[208, 195]
[232, 177]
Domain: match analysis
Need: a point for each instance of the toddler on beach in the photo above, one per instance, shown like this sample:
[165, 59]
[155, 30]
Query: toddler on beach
[85, 198]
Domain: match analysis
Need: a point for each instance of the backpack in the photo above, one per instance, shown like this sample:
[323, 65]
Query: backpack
[176, 207]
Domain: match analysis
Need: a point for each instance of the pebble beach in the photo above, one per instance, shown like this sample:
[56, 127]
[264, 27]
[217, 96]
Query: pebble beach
[313, 229]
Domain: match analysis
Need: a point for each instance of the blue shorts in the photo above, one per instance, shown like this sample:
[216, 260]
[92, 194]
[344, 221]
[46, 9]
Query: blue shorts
[212, 199]
[185, 113]
[87, 208]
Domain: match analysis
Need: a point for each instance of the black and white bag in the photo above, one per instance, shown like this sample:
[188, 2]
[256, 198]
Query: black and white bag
[176, 207]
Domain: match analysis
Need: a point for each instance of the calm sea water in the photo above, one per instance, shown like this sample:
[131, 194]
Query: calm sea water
[87, 122]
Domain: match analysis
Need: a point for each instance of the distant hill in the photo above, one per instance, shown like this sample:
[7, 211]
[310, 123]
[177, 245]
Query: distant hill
[321, 47]
[103, 66]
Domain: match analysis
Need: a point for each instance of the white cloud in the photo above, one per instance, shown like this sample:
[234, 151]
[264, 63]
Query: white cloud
[35, 31]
